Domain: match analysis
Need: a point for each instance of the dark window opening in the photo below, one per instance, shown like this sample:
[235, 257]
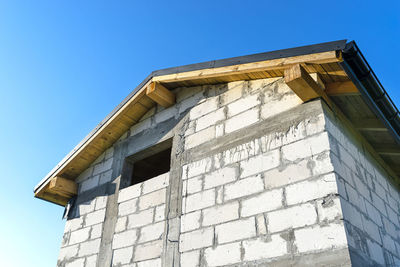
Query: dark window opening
[151, 166]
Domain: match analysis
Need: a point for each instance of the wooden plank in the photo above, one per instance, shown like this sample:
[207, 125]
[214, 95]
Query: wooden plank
[274, 64]
[378, 137]
[63, 186]
[386, 149]
[369, 125]
[297, 78]
[51, 197]
[337, 73]
[147, 102]
[161, 95]
[325, 70]
[341, 88]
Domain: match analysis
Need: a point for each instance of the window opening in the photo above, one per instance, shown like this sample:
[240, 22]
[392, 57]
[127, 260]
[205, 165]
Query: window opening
[151, 166]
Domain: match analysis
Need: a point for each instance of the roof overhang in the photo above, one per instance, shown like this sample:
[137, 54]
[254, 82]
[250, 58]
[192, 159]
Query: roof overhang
[338, 67]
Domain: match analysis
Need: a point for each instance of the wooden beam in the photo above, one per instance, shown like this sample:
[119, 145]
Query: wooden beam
[54, 198]
[305, 87]
[388, 151]
[369, 125]
[63, 187]
[273, 64]
[159, 94]
[341, 88]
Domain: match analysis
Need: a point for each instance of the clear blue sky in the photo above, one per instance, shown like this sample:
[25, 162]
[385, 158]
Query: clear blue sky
[64, 65]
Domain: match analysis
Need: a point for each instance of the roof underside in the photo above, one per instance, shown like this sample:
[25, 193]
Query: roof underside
[329, 60]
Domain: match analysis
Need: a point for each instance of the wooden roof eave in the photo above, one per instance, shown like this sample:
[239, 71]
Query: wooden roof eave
[105, 134]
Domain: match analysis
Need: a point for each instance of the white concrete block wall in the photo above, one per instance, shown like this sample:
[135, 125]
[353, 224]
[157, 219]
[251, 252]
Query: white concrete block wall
[371, 204]
[98, 173]
[274, 197]
[243, 104]
[82, 235]
[240, 204]
[252, 211]
[140, 228]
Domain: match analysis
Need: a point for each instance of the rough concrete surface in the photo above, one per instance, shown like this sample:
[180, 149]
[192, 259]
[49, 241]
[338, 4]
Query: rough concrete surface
[257, 178]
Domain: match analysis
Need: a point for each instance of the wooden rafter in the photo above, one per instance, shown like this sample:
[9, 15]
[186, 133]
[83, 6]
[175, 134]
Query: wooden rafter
[159, 94]
[341, 88]
[63, 187]
[369, 125]
[306, 88]
[46, 194]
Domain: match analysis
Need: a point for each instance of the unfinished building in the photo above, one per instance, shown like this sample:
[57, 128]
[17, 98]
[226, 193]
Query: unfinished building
[285, 158]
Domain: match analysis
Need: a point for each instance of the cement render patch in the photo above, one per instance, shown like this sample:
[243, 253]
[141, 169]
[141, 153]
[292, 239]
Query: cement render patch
[278, 124]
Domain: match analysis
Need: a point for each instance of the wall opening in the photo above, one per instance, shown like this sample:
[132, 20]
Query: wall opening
[146, 164]
[151, 166]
